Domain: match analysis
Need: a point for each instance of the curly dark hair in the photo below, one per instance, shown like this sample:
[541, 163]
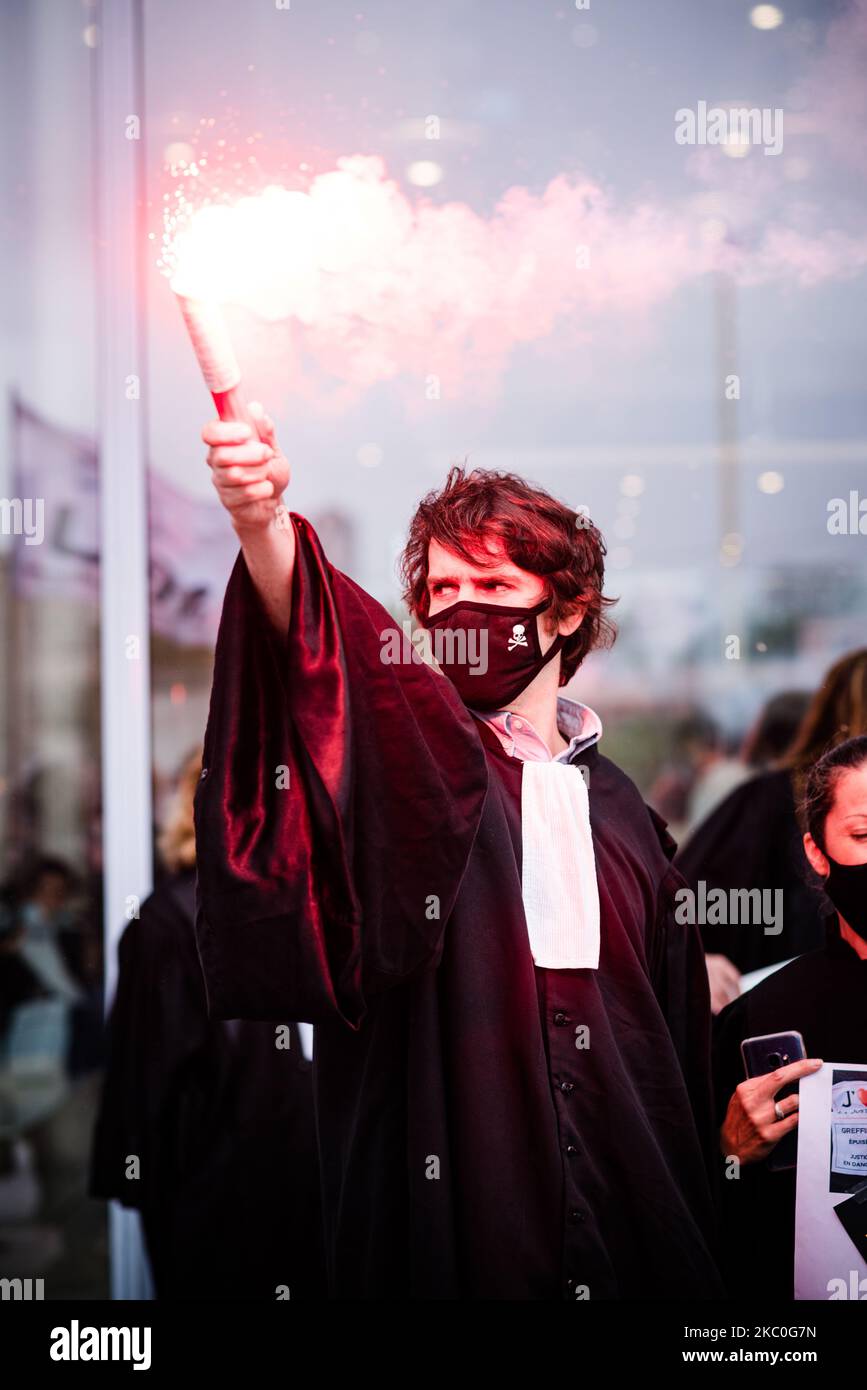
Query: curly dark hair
[538, 533]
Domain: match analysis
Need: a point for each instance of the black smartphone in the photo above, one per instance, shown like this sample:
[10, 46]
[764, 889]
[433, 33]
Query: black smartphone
[762, 1055]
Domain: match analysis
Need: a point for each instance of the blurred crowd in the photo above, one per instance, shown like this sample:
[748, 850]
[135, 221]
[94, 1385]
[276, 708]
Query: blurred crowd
[52, 1052]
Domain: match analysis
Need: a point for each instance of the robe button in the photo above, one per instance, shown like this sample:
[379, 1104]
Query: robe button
[561, 1019]
[204, 774]
[576, 1216]
[567, 1087]
[571, 1150]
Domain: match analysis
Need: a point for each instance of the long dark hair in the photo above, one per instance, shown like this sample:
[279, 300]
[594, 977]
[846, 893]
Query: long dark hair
[837, 711]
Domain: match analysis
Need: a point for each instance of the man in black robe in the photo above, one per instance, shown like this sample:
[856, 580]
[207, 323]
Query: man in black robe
[360, 867]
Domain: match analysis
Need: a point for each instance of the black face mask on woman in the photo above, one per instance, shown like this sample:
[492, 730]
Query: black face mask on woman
[489, 652]
[846, 886]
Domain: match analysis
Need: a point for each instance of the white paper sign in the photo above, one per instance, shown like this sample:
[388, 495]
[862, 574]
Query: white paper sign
[832, 1159]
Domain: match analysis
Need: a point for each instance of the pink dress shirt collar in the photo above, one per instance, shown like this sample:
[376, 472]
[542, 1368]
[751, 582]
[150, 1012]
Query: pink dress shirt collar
[576, 722]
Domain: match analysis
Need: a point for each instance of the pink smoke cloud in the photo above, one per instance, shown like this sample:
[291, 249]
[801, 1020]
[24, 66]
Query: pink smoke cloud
[373, 286]
[348, 282]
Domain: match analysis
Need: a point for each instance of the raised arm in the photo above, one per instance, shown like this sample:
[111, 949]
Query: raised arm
[250, 474]
[343, 780]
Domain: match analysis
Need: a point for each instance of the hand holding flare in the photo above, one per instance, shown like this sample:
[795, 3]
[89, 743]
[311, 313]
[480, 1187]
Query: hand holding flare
[249, 471]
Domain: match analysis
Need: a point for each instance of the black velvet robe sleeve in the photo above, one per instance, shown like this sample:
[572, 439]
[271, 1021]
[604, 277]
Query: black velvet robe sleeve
[340, 798]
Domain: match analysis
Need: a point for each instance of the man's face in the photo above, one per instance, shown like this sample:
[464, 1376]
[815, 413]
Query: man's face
[451, 579]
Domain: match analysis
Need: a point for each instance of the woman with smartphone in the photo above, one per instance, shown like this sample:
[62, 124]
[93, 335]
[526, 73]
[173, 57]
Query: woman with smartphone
[820, 999]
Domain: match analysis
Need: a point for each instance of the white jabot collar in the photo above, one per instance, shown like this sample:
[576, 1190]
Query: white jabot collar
[558, 865]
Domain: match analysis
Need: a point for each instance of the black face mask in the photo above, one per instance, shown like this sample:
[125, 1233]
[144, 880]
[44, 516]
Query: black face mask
[846, 886]
[490, 653]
